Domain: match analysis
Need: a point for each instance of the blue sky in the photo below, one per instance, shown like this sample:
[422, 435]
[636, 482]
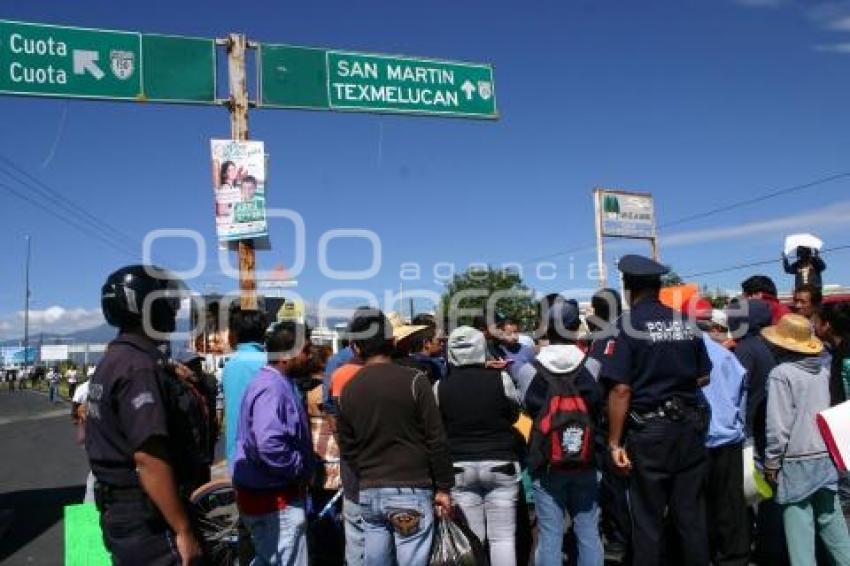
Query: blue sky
[700, 103]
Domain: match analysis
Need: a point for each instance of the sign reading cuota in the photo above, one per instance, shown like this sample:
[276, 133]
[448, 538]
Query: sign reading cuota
[47, 60]
[53, 60]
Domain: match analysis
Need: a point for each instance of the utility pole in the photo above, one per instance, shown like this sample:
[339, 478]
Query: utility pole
[600, 239]
[238, 106]
[27, 305]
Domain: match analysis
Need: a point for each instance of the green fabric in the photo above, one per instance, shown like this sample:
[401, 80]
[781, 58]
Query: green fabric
[819, 515]
[527, 487]
[83, 539]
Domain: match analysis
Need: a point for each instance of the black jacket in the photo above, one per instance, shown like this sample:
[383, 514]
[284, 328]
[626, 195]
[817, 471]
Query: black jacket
[837, 393]
[754, 353]
[478, 414]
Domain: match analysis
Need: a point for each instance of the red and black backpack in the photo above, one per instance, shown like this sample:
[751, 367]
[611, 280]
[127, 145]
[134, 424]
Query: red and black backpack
[562, 437]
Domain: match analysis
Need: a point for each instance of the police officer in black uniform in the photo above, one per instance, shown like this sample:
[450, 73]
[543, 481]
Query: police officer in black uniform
[142, 484]
[655, 367]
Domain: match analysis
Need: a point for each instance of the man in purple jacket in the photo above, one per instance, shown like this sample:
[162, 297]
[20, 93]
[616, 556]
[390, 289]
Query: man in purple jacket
[274, 452]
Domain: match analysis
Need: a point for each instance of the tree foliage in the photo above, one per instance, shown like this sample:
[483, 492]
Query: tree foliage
[499, 290]
[671, 279]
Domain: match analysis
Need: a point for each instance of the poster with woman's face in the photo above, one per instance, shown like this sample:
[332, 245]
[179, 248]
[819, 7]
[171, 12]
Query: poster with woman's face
[239, 174]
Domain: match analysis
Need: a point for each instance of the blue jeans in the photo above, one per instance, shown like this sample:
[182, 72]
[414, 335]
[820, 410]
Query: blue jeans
[280, 538]
[487, 493]
[384, 544]
[53, 393]
[576, 493]
[354, 535]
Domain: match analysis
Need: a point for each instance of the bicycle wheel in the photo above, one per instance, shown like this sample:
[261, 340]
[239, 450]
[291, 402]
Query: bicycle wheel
[217, 519]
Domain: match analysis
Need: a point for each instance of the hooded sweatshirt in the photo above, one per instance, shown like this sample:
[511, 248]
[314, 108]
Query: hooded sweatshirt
[797, 390]
[754, 353]
[558, 359]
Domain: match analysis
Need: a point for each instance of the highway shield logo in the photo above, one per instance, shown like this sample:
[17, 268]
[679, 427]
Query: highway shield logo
[485, 89]
[123, 63]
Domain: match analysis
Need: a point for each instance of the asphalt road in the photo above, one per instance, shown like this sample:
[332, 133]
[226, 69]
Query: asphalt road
[43, 469]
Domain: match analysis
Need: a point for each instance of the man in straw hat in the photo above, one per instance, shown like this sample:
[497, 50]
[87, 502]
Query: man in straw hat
[796, 458]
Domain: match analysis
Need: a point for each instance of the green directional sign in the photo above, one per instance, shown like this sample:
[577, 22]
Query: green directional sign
[300, 77]
[63, 61]
[47, 60]
[178, 69]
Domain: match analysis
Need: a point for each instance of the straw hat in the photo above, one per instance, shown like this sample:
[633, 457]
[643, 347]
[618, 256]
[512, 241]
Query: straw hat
[401, 329]
[793, 332]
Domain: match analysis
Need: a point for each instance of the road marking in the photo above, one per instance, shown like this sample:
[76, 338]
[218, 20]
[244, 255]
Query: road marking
[38, 417]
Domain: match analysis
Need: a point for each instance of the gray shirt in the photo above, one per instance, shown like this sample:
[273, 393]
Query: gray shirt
[797, 391]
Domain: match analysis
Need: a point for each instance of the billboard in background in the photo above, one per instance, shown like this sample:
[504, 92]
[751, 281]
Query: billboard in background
[239, 175]
[624, 214]
[54, 352]
[14, 355]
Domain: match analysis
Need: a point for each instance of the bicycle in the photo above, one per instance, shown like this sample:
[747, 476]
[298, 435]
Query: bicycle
[217, 519]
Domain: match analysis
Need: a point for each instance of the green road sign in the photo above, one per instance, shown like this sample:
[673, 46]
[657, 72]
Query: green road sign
[301, 77]
[46, 60]
[178, 69]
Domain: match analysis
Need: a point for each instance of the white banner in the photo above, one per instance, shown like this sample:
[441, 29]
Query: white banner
[54, 352]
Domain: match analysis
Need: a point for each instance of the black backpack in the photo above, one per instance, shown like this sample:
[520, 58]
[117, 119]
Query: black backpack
[562, 437]
[188, 430]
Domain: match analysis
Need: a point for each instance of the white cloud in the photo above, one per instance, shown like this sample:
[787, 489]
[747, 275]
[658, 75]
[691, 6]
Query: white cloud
[822, 219]
[839, 24]
[834, 16]
[841, 48]
[760, 3]
[54, 320]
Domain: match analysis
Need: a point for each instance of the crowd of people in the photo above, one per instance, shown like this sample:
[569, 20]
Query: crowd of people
[624, 433]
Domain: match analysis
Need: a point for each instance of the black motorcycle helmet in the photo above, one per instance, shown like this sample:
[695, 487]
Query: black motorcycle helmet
[123, 297]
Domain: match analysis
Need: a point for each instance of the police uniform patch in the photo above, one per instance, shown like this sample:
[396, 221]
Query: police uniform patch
[142, 399]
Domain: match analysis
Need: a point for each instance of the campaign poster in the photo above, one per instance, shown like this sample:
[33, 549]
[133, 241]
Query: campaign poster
[239, 174]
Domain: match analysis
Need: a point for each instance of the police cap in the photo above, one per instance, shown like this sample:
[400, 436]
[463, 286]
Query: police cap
[641, 266]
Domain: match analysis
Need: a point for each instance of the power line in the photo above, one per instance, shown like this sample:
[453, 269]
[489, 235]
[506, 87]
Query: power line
[72, 221]
[755, 264]
[758, 199]
[47, 192]
[589, 245]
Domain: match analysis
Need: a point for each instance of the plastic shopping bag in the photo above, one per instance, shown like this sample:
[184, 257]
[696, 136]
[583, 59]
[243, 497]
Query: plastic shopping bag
[756, 487]
[455, 545]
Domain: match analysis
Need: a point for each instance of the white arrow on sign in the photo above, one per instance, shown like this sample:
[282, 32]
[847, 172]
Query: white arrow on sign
[87, 61]
[468, 88]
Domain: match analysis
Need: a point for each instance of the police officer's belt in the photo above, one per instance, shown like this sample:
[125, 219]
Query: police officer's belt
[109, 494]
[672, 409]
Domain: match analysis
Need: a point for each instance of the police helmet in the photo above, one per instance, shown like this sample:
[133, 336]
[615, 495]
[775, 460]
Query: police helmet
[123, 298]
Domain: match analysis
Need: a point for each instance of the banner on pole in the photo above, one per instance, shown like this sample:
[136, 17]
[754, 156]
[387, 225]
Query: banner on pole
[239, 173]
[17, 355]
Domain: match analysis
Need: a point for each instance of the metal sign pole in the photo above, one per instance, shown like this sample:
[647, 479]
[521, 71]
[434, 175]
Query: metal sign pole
[600, 240]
